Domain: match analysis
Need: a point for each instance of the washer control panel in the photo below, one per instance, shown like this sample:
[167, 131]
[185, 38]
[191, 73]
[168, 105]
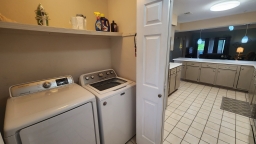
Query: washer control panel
[37, 86]
[98, 76]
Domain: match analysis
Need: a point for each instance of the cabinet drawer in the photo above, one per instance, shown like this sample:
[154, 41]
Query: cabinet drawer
[254, 73]
[178, 68]
[173, 71]
[209, 65]
[193, 64]
[228, 67]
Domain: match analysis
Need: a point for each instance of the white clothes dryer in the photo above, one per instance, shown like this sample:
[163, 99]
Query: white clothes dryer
[116, 101]
[52, 111]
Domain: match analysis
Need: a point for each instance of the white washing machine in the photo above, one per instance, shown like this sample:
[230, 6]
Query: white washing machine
[52, 111]
[116, 101]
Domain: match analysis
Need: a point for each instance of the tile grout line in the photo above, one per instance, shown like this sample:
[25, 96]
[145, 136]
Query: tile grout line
[209, 115]
[199, 109]
[215, 105]
[175, 113]
[195, 115]
[183, 114]
[220, 124]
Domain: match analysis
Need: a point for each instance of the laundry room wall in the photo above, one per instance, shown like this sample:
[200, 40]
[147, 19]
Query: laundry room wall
[122, 48]
[59, 11]
[29, 56]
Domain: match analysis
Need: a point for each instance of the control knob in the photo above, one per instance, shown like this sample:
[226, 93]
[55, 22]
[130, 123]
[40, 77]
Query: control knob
[92, 77]
[111, 72]
[87, 78]
[108, 73]
[100, 74]
[46, 84]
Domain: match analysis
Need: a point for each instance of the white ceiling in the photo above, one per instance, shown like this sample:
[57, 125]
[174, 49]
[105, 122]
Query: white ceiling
[200, 9]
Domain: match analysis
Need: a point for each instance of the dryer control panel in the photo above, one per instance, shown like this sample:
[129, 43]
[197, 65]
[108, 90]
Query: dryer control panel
[97, 76]
[37, 86]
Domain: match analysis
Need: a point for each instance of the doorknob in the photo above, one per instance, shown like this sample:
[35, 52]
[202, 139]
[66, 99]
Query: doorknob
[105, 103]
[159, 95]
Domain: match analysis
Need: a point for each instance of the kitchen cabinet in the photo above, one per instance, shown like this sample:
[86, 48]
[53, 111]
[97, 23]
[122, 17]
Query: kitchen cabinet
[192, 72]
[251, 91]
[183, 72]
[226, 77]
[174, 78]
[219, 74]
[207, 75]
[252, 88]
[245, 76]
[178, 77]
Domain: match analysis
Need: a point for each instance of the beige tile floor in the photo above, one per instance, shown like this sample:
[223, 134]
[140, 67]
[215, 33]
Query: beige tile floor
[193, 116]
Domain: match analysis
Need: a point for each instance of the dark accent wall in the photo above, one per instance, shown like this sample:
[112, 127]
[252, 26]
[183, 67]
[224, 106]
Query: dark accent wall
[235, 40]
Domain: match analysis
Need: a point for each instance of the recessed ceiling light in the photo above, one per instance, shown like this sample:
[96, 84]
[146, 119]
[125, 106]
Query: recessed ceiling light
[225, 6]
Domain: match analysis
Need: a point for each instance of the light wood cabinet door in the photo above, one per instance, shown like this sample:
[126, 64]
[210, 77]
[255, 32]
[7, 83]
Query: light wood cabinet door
[192, 73]
[251, 91]
[177, 84]
[207, 75]
[225, 78]
[183, 72]
[172, 83]
[245, 76]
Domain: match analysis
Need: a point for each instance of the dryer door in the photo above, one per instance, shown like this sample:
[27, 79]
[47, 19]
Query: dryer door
[72, 127]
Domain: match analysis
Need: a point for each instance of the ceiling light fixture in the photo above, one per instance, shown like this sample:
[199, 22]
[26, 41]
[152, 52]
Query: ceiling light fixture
[200, 40]
[245, 38]
[231, 28]
[225, 6]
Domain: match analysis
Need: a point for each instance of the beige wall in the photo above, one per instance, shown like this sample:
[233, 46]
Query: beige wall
[60, 11]
[123, 57]
[29, 56]
[123, 12]
[123, 51]
[239, 19]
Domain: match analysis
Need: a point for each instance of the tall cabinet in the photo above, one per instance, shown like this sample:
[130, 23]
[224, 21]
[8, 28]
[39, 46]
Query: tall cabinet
[174, 79]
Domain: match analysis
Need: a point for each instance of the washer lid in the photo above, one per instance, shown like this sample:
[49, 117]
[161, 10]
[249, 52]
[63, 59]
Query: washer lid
[109, 85]
[27, 110]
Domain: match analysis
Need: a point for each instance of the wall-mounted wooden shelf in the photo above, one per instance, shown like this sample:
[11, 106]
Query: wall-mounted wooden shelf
[27, 27]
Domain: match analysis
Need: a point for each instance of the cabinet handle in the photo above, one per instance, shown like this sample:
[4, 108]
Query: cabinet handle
[159, 95]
